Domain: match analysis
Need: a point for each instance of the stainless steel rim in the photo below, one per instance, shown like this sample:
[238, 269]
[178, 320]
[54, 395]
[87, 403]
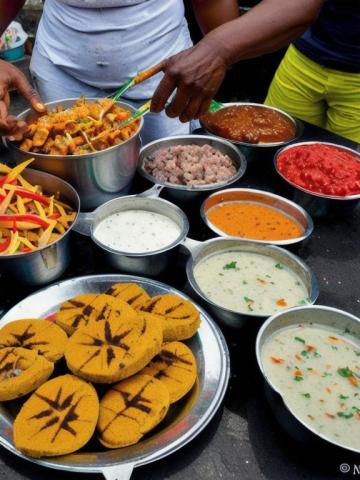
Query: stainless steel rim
[74, 157]
[309, 192]
[314, 285]
[259, 362]
[183, 234]
[211, 399]
[298, 124]
[194, 188]
[76, 210]
[308, 231]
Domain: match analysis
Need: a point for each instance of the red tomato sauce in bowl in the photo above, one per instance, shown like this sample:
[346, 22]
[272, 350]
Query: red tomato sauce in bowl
[323, 169]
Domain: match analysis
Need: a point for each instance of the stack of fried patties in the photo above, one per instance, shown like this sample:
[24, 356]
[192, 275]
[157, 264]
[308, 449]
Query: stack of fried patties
[122, 337]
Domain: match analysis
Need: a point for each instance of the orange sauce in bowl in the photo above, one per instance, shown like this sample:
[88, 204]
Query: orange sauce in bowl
[254, 221]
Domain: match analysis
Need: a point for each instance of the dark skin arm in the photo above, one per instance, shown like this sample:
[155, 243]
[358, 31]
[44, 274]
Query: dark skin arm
[210, 15]
[11, 78]
[197, 73]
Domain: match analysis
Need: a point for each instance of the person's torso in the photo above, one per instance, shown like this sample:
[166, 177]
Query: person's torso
[104, 42]
[334, 39]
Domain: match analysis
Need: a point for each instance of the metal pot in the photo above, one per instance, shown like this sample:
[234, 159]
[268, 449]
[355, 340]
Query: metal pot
[48, 263]
[315, 314]
[261, 197]
[188, 193]
[149, 264]
[98, 177]
[231, 318]
[318, 204]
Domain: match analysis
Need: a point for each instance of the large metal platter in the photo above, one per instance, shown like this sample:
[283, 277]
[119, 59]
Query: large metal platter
[185, 420]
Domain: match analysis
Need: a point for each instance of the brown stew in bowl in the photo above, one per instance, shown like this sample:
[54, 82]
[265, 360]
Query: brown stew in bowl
[250, 124]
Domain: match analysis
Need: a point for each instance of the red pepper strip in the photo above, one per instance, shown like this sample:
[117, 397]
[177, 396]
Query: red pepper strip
[4, 245]
[34, 196]
[24, 218]
[54, 216]
[14, 229]
[25, 249]
[3, 180]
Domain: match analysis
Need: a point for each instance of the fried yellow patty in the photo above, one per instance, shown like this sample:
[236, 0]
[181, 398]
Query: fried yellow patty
[130, 409]
[175, 366]
[90, 308]
[108, 351]
[179, 317]
[44, 337]
[59, 418]
[130, 293]
[21, 372]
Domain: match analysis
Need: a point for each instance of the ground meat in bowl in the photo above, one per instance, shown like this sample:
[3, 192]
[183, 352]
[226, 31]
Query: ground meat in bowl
[190, 165]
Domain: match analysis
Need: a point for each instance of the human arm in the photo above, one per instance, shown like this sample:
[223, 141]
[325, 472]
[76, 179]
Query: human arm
[197, 73]
[11, 78]
[213, 13]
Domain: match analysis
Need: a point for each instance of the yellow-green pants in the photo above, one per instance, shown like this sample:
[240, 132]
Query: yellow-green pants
[322, 96]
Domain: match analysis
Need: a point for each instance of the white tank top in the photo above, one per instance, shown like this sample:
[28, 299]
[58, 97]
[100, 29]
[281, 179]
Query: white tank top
[105, 42]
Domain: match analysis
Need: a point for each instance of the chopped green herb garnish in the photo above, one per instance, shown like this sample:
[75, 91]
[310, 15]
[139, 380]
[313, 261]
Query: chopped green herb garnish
[250, 307]
[299, 339]
[306, 395]
[248, 300]
[279, 266]
[317, 354]
[268, 276]
[221, 274]
[343, 397]
[346, 330]
[304, 353]
[298, 379]
[357, 354]
[344, 415]
[309, 368]
[272, 283]
[303, 301]
[244, 282]
[334, 347]
[327, 374]
[345, 372]
[356, 409]
[231, 265]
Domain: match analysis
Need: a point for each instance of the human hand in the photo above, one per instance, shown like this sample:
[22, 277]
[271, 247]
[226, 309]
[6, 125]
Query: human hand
[11, 78]
[196, 74]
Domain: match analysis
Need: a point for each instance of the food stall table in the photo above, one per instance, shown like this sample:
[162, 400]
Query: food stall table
[243, 440]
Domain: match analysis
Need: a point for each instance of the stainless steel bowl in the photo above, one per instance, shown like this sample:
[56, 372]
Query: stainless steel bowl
[261, 197]
[188, 193]
[46, 264]
[318, 204]
[149, 263]
[315, 314]
[231, 318]
[298, 124]
[98, 177]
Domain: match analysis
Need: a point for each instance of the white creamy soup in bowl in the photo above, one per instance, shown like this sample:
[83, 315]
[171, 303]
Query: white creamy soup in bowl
[137, 231]
[316, 369]
[248, 282]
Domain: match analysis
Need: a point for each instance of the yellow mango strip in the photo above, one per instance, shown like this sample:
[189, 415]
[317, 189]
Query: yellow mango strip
[27, 243]
[45, 237]
[60, 209]
[13, 208]
[51, 206]
[40, 210]
[59, 228]
[20, 205]
[4, 168]
[26, 184]
[15, 172]
[13, 243]
[6, 202]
